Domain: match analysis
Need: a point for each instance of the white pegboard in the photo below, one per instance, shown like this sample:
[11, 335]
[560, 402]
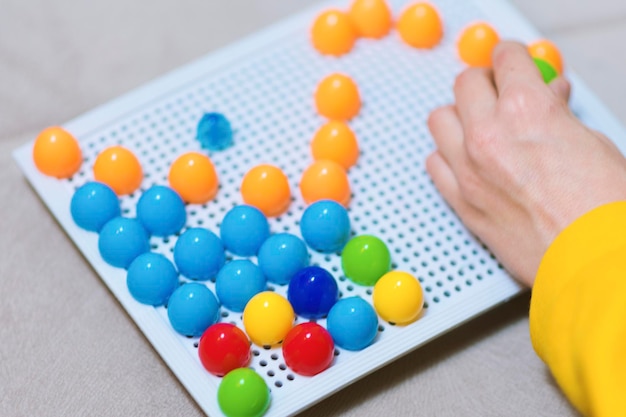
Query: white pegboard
[265, 86]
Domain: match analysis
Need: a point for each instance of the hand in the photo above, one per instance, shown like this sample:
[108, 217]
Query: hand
[514, 162]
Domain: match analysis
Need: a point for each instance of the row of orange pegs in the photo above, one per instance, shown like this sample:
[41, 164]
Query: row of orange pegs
[335, 32]
[419, 25]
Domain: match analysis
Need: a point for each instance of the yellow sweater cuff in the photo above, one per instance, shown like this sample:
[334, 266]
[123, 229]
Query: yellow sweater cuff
[578, 311]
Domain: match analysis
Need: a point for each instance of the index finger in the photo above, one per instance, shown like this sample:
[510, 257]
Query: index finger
[475, 94]
[512, 64]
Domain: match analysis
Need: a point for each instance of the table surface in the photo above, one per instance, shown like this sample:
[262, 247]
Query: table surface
[66, 345]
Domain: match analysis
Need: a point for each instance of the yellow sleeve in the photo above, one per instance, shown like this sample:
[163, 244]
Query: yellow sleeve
[578, 311]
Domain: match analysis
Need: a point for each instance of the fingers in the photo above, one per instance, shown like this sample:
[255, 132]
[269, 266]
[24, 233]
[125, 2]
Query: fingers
[446, 129]
[512, 65]
[475, 94]
[444, 165]
[444, 179]
[448, 185]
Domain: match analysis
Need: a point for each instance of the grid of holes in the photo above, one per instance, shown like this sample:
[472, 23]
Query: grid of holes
[268, 99]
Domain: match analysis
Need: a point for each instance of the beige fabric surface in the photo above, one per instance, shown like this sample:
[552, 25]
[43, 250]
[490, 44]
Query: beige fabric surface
[67, 348]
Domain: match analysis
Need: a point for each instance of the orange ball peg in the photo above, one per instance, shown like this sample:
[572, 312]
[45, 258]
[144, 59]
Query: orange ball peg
[371, 18]
[266, 187]
[193, 177]
[337, 97]
[333, 33]
[118, 168]
[420, 26]
[546, 50]
[337, 142]
[56, 153]
[476, 43]
[325, 180]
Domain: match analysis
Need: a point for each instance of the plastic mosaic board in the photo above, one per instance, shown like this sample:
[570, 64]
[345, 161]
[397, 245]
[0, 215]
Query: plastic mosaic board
[264, 85]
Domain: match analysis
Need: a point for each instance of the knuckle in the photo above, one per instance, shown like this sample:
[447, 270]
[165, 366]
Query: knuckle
[439, 120]
[516, 100]
[521, 102]
[470, 187]
[434, 118]
[480, 141]
[460, 78]
[467, 76]
[506, 51]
